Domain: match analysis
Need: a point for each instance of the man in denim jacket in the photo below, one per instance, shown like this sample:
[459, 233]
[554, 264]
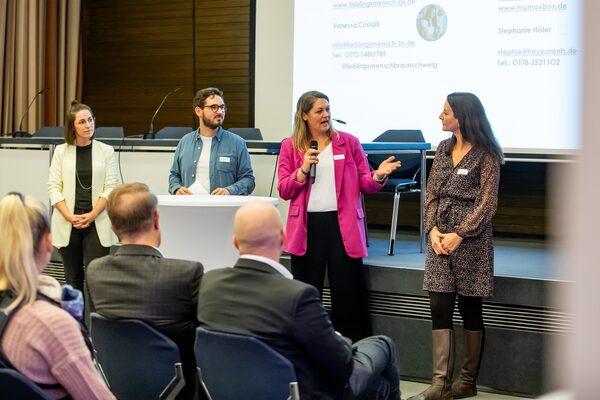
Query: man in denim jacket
[211, 159]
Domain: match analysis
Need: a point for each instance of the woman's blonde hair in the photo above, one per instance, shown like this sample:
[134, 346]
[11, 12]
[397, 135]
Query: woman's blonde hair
[23, 223]
[301, 137]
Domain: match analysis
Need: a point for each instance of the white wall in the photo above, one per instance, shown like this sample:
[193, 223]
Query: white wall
[25, 170]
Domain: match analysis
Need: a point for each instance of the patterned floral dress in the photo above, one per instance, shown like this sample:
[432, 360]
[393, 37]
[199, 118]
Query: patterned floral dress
[462, 199]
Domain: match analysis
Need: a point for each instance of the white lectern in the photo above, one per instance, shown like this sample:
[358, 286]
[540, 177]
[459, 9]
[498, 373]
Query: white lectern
[200, 227]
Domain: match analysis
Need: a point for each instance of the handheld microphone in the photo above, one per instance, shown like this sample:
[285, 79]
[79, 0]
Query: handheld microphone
[313, 167]
[339, 121]
[21, 132]
[151, 129]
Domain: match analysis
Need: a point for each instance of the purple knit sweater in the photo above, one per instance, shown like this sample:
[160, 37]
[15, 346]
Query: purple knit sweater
[44, 343]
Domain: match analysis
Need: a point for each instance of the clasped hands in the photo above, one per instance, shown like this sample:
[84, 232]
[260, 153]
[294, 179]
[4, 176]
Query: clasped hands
[81, 221]
[444, 243]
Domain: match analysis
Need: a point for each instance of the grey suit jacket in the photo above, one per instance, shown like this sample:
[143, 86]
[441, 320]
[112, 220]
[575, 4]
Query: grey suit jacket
[254, 299]
[138, 282]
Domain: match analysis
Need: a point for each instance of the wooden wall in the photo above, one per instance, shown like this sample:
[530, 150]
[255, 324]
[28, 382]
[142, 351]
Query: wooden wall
[522, 208]
[136, 51]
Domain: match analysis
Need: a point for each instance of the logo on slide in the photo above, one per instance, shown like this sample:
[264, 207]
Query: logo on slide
[432, 22]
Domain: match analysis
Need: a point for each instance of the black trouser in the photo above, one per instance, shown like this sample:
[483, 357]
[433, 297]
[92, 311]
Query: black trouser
[349, 297]
[84, 246]
[442, 308]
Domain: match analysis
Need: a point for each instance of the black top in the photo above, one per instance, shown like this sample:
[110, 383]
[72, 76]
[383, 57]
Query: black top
[83, 177]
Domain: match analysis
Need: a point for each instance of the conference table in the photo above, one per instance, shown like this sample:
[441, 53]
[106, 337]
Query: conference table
[24, 164]
[200, 227]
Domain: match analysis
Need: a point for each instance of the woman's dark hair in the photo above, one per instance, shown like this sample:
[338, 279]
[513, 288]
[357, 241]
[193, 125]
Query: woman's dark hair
[474, 125]
[70, 122]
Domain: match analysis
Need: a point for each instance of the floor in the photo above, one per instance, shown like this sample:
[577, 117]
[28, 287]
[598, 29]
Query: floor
[412, 388]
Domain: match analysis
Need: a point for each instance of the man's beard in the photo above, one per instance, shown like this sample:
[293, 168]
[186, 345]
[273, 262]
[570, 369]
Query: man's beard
[209, 124]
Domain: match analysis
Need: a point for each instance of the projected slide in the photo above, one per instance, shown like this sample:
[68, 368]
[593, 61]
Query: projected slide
[389, 64]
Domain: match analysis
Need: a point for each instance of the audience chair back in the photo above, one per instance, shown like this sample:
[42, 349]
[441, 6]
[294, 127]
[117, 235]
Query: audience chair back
[173, 132]
[16, 386]
[109, 132]
[50, 131]
[139, 362]
[247, 133]
[242, 367]
[404, 179]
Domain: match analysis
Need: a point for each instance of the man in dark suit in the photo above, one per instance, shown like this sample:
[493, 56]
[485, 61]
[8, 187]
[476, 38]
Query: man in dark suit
[138, 282]
[258, 297]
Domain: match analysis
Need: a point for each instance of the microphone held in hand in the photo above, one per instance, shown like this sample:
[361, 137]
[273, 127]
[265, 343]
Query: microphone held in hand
[313, 167]
[151, 129]
[21, 132]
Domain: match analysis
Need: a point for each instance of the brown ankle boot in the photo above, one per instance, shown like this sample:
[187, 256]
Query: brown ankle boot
[466, 385]
[443, 367]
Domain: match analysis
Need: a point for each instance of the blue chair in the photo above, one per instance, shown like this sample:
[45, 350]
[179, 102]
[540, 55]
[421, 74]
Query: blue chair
[109, 132]
[247, 133]
[15, 386]
[404, 179]
[173, 132]
[50, 131]
[242, 367]
[138, 361]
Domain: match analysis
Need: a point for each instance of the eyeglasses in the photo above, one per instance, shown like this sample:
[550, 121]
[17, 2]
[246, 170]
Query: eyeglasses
[216, 107]
[82, 122]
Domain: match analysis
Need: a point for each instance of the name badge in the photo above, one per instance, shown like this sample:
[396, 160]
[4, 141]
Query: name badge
[462, 171]
[224, 159]
[338, 157]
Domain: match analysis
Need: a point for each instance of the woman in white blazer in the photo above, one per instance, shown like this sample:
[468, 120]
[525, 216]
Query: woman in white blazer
[82, 174]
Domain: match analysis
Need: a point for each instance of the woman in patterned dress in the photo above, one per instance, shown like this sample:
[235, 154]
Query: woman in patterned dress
[462, 194]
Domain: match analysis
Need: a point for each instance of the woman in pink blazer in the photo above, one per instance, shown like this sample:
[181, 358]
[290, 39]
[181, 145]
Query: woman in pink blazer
[325, 228]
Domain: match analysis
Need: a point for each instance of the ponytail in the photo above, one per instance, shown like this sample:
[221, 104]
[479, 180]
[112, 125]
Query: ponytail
[23, 223]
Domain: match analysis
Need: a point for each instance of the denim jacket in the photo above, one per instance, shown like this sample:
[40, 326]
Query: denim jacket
[229, 165]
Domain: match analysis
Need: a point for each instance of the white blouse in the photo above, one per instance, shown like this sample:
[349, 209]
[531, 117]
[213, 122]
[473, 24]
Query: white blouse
[322, 194]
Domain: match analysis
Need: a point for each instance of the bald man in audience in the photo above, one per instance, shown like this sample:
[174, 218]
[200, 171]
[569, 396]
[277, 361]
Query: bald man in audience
[258, 297]
[138, 282]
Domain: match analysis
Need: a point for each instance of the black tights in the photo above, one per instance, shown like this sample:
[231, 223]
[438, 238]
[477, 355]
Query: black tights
[442, 308]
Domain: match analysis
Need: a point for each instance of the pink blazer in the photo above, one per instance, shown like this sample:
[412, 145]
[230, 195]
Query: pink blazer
[352, 175]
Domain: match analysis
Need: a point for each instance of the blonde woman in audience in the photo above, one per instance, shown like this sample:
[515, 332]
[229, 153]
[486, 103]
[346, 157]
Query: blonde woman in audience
[39, 339]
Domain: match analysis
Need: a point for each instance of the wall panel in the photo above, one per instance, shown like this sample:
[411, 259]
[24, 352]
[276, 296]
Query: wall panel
[223, 54]
[136, 51]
